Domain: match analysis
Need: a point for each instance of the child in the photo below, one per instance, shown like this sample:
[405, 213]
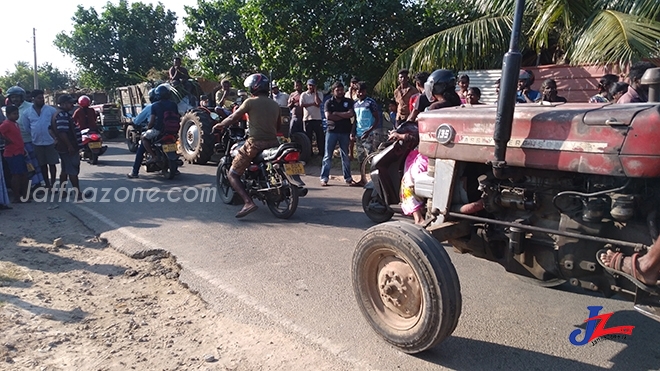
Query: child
[14, 153]
[463, 85]
[549, 91]
[392, 108]
[473, 96]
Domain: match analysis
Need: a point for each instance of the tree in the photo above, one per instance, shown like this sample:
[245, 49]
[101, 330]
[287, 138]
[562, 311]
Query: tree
[216, 35]
[598, 32]
[334, 38]
[119, 46]
[50, 77]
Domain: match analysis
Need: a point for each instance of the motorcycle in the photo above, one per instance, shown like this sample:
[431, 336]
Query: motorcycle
[165, 148]
[273, 176]
[92, 146]
[380, 199]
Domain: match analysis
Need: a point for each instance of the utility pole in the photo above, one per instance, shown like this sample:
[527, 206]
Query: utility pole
[34, 43]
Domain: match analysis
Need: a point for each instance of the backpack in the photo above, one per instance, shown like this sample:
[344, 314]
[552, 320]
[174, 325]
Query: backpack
[171, 121]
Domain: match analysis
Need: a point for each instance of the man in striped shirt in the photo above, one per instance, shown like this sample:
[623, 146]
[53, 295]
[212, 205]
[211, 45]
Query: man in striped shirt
[69, 142]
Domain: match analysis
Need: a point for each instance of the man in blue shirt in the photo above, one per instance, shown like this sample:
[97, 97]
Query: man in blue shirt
[366, 131]
[525, 92]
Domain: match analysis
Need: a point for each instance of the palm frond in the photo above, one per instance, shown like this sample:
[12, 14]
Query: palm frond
[559, 16]
[649, 9]
[615, 37]
[466, 46]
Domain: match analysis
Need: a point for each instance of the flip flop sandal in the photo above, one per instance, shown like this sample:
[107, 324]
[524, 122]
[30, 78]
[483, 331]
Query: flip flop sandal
[617, 259]
[245, 212]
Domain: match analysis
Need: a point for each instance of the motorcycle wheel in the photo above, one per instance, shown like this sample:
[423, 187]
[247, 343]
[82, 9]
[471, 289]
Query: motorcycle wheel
[93, 158]
[225, 191]
[406, 286]
[369, 197]
[285, 207]
[131, 141]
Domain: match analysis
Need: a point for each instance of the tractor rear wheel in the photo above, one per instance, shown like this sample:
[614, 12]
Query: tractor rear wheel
[196, 137]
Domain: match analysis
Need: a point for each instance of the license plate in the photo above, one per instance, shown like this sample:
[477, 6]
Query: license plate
[169, 147]
[94, 145]
[295, 168]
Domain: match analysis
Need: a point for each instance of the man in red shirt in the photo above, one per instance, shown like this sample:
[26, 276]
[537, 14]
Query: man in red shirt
[85, 116]
[14, 153]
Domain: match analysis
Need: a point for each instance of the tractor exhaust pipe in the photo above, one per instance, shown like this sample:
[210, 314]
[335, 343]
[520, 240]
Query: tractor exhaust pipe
[651, 78]
[507, 100]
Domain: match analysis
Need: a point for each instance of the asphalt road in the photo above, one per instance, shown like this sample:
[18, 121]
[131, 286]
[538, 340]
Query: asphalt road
[294, 275]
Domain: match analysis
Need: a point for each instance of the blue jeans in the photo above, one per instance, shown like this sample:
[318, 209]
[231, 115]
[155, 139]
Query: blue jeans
[139, 156]
[331, 140]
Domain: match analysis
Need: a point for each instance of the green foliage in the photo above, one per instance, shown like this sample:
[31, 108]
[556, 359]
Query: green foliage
[120, 45]
[217, 37]
[333, 39]
[50, 78]
[597, 32]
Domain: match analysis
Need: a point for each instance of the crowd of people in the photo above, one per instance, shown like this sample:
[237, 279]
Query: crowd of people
[35, 138]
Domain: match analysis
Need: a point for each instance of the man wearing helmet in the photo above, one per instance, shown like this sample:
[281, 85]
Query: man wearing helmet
[85, 116]
[156, 124]
[525, 92]
[264, 124]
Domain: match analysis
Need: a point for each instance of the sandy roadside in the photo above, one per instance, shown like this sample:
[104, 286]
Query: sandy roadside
[84, 306]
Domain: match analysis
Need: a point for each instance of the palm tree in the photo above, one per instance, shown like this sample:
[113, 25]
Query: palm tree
[594, 32]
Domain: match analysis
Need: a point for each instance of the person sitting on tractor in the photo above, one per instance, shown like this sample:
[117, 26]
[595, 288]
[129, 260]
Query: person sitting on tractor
[439, 87]
[155, 126]
[178, 73]
[549, 91]
[637, 93]
[225, 98]
[265, 123]
[85, 116]
[604, 85]
[525, 92]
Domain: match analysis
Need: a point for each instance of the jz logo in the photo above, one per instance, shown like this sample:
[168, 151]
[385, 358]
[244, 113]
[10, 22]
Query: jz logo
[596, 327]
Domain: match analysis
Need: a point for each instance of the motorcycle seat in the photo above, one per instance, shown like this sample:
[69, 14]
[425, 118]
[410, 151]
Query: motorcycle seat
[270, 154]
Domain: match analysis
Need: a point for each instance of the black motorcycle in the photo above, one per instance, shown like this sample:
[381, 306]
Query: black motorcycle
[273, 176]
[168, 160]
[381, 197]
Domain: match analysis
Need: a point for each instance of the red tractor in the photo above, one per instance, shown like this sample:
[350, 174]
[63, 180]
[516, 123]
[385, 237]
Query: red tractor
[558, 183]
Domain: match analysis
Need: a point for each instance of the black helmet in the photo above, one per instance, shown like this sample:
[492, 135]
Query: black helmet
[257, 83]
[162, 92]
[439, 82]
[16, 90]
[152, 95]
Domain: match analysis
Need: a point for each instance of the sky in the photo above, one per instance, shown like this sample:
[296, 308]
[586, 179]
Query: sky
[50, 18]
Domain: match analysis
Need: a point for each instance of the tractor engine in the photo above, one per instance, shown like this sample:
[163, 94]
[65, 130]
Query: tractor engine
[565, 181]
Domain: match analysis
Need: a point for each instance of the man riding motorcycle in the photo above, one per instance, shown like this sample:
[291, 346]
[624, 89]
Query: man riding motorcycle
[264, 124]
[154, 127]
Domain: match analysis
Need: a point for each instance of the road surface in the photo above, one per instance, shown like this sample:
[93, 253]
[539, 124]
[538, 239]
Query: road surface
[294, 275]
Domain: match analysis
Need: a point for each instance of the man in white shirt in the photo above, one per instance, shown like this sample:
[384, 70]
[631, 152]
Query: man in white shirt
[311, 101]
[39, 118]
[281, 98]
